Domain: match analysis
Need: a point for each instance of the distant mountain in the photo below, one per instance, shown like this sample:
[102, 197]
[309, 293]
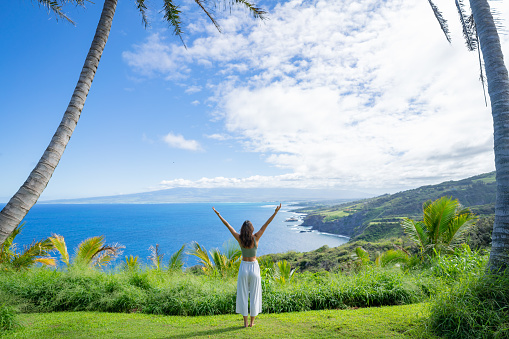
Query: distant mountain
[188, 195]
[377, 218]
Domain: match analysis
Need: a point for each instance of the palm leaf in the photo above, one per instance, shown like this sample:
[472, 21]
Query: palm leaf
[107, 254]
[441, 21]
[140, 4]
[256, 12]
[172, 15]
[391, 257]
[30, 253]
[88, 249]
[155, 257]
[46, 261]
[202, 255]
[59, 244]
[177, 259]
[416, 231]
[467, 24]
[131, 263]
[202, 5]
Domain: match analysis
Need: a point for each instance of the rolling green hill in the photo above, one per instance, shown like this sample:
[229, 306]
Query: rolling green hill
[379, 218]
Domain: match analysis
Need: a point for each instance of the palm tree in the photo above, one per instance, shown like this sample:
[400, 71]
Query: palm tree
[19, 205]
[480, 31]
[37, 252]
[91, 252]
[443, 226]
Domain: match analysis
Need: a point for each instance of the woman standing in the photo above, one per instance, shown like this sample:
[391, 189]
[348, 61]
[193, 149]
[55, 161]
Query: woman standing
[249, 283]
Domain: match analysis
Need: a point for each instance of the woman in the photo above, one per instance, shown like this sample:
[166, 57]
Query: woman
[249, 283]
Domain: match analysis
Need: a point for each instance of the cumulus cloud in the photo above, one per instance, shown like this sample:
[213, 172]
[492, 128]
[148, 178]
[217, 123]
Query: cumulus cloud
[178, 141]
[366, 91]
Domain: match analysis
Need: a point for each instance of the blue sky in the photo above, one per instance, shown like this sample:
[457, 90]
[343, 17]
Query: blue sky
[364, 95]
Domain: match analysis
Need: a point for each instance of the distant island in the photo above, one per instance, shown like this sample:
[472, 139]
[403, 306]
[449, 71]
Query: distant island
[194, 195]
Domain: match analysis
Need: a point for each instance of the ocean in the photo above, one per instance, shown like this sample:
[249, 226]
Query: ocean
[139, 226]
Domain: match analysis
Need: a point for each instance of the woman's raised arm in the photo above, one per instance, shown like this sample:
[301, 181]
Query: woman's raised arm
[232, 231]
[259, 234]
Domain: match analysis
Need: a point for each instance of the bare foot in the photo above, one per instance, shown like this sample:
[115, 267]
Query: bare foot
[251, 325]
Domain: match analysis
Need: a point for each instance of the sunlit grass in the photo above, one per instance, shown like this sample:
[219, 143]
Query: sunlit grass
[378, 322]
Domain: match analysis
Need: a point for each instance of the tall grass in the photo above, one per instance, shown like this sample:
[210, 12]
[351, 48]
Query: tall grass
[7, 318]
[179, 293]
[476, 307]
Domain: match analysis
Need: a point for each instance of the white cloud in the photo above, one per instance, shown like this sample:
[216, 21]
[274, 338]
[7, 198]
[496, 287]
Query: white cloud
[195, 103]
[193, 89]
[178, 141]
[366, 92]
[217, 136]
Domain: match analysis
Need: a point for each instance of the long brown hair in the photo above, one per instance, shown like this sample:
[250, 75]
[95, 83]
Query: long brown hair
[246, 234]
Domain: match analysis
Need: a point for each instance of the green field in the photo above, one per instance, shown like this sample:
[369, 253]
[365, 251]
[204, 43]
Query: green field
[375, 322]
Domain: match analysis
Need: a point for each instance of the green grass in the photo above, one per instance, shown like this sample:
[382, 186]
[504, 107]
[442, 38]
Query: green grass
[376, 322]
[334, 215]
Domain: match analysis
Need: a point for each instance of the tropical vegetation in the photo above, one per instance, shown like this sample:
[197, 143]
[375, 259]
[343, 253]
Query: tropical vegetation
[443, 227]
[481, 34]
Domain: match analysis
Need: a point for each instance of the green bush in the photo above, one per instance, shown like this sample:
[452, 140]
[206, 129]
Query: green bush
[7, 318]
[476, 307]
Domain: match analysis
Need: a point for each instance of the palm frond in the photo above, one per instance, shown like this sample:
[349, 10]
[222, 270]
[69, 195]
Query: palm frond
[202, 255]
[131, 263]
[459, 226]
[231, 249]
[30, 253]
[88, 249]
[256, 12]
[155, 256]
[220, 261]
[177, 259]
[59, 244]
[391, 257]
[440, 18]
[284, 272]
[172, 15]
[415, 231]
[46, 261]
[467, 23]
[107, 254]
[8, 248]
[140, 4]
[55, 7]
[202, 5]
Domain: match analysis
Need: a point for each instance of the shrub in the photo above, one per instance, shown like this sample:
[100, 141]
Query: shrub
[476, 307]
[7, 318]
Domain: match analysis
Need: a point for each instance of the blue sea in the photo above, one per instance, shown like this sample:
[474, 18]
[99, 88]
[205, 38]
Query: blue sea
[139, 226]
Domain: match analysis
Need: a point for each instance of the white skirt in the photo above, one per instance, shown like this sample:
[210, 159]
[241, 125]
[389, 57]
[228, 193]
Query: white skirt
[249, 287]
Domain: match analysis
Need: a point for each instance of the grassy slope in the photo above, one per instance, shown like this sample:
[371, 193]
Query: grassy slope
[378, 218]
[376, 322]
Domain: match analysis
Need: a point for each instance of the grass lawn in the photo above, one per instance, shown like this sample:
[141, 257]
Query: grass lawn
[371, 323]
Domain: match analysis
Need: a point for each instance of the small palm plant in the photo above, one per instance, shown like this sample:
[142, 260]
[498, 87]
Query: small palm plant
[36, 252]
[283, 272]
[443, 226]
[131, 263]
[177, 260]
[391, 258]
[91, 252]
[223, 263]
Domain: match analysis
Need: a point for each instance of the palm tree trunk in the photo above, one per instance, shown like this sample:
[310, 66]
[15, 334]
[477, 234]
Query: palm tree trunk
[498, 89]
[28, 194]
